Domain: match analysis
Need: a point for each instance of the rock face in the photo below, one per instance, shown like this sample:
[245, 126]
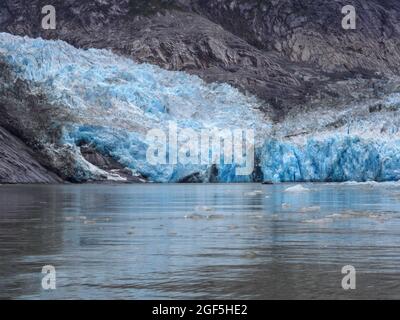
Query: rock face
[311, 32]
[292, 54]
[109, 164]
[289, 53]
[18, 163]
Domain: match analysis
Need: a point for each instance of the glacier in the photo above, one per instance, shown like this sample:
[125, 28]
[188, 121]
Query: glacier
[336, 159]
[110, 102]
[365, 147]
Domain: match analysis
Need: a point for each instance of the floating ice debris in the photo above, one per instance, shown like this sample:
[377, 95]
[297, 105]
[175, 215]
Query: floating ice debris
[204, 208]
[366, 183]
[256, 216]
[319, 221]
[194, 216]
[349, 214]
[89, 222]
[335, 215]
[215, 216]
[253, 193]
[251, 255]
[310, 209]
[297, 188]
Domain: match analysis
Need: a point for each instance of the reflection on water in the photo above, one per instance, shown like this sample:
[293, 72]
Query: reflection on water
[199, 241]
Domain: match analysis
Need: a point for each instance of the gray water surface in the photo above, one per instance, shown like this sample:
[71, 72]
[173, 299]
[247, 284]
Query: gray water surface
[188, 241]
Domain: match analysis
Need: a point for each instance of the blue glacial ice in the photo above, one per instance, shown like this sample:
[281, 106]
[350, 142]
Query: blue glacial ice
[116, 101]
[341, 158]
[365, 148]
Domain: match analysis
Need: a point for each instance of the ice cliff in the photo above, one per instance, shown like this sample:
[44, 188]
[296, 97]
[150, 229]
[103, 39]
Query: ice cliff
[59, 98]
[95, 97]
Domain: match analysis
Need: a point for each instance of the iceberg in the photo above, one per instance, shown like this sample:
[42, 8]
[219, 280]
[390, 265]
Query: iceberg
[297, 188]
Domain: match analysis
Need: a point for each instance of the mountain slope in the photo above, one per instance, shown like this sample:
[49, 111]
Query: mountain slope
[290, 53]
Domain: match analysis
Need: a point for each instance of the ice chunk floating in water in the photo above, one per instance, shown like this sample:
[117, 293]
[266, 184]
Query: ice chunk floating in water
[297, 188]
[111, 102]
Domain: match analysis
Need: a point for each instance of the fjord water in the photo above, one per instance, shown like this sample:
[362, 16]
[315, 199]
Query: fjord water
[226, 241]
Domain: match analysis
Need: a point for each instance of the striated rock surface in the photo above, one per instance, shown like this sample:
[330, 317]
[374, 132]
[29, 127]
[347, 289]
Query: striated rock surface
[18, 163]
[310, 31]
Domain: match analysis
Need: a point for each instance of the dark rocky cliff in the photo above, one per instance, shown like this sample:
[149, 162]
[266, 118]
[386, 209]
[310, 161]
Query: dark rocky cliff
[18, 163]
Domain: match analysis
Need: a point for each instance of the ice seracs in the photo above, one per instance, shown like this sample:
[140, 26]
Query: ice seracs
[111, 102]
[97, 98]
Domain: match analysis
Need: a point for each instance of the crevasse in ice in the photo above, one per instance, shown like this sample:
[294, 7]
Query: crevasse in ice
[365, 148]
[340, 158]
[115, 102]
